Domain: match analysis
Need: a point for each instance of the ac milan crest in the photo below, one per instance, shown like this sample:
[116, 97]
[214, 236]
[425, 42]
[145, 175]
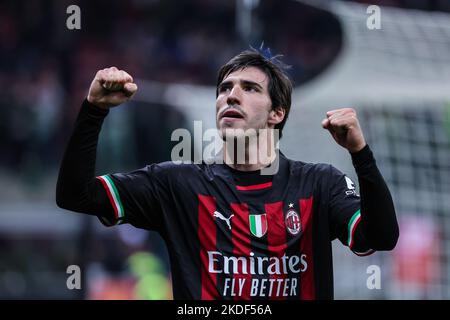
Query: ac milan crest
[292, 222]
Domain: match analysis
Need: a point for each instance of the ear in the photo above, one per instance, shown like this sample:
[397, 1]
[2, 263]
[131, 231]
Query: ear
[276, 115]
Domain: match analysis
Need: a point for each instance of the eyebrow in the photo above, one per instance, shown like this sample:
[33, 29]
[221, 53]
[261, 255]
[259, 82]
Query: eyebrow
[242, 82]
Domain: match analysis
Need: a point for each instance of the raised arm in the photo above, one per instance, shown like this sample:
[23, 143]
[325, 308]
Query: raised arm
[376, 218]
[77, 189]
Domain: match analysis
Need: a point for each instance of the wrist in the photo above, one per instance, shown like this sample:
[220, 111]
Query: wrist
[362, 157]
[94, 109]
[357, 148]
[96, 104]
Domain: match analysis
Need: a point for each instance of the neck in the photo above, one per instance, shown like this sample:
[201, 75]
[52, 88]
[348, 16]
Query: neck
[250, 153]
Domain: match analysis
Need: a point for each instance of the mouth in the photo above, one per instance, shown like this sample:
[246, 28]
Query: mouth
[232, 114]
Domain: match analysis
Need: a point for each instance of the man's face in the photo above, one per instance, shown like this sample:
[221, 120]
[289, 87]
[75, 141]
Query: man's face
[243, 101]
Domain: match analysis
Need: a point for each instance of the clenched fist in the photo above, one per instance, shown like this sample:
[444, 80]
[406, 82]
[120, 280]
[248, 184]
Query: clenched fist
[344, 127]
[111, 87]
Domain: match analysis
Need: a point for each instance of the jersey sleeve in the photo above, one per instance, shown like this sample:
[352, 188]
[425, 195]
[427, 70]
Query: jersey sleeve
[345, 213]
[134, 198]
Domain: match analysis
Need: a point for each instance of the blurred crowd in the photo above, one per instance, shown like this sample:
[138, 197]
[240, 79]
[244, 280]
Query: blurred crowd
[46, 69]
[45, 72]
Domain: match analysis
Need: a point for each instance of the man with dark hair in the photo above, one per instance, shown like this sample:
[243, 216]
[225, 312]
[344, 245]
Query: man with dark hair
[231, 231]
[279, 84]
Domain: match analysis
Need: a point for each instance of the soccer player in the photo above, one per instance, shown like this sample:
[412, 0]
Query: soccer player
[231, 231]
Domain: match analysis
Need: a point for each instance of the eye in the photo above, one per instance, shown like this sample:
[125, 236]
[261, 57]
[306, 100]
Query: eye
[251, 89]
[224, 88]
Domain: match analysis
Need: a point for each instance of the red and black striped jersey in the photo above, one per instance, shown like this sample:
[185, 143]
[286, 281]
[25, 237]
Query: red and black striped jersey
[228, 241]
[229, 235]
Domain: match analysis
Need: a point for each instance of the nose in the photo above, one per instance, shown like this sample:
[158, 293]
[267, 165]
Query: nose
[235, 96]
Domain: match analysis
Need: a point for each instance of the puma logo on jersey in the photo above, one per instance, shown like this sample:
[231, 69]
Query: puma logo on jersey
[217, 214]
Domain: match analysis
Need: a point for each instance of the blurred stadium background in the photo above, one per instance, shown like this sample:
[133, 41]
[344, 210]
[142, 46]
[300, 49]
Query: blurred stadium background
[396, 77]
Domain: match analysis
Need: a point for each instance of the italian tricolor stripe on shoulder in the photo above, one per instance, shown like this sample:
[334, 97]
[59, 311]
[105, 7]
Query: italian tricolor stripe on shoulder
[353, 223]
[113, 195]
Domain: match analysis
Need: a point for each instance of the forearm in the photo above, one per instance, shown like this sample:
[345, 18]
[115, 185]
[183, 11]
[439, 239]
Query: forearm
[378, 218]
[77, 189]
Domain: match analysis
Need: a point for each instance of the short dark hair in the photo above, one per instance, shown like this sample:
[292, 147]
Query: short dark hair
[280, 86]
